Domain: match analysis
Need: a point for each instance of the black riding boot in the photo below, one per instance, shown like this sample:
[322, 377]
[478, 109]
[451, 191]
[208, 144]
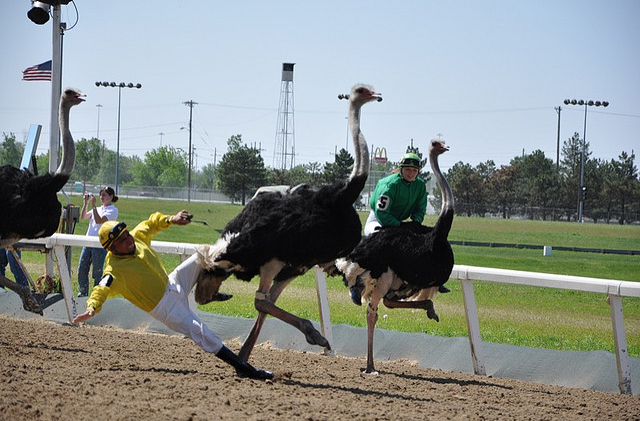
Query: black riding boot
[243, 369]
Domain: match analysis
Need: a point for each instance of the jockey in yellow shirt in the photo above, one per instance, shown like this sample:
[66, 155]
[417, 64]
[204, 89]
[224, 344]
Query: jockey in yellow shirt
[134, 270]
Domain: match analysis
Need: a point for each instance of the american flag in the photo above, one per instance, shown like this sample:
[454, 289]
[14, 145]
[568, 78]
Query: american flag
[38, 72]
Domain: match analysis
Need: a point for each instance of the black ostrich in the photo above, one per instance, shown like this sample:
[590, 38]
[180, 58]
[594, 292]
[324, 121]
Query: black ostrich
[404, 265]
[280, 235]
[31, 208]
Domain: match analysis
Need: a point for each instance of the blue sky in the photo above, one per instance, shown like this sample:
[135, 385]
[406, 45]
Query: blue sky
[486, 75]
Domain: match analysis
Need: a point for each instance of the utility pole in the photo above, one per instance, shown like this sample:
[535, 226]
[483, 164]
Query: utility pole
[189, 104]
[558, 109]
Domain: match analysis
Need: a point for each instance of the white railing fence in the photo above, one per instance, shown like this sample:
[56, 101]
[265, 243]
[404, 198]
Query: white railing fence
[614, 290]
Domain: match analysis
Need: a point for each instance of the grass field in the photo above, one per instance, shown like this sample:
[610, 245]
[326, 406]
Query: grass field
[509, 314]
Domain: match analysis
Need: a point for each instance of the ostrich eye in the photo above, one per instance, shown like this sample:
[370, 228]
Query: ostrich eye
[360, 90]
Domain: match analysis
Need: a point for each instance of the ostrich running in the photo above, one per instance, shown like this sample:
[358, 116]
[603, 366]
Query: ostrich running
[30, 202]
[281, 235]
[404, 265]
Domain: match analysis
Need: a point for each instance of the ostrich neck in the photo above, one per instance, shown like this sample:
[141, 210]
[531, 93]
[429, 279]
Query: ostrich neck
[68, 147]
[447, 195]
[361, 151]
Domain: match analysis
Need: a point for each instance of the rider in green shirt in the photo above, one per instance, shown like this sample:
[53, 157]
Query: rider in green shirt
[397, 197]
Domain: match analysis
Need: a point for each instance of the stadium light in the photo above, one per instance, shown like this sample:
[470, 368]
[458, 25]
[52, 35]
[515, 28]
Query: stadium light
[39, 13]
[119, 86]
[582, 189]
[40, 10]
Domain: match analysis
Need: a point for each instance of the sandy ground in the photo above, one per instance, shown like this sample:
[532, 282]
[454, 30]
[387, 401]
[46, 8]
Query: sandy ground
[63, 372]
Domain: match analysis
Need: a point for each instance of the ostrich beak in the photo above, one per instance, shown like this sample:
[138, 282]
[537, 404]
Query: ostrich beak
[377, 96]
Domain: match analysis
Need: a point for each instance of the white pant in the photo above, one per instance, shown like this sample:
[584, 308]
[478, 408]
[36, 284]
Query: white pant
[173, 309]
[371, 224]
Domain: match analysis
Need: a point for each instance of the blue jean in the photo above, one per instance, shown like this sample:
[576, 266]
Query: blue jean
[6, 258]
[90, 256]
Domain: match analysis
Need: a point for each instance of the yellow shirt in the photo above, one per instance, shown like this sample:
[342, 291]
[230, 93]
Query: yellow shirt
[140, 278]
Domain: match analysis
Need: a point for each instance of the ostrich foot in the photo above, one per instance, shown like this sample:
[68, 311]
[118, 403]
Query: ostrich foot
[29, 302]
[313, 336]
[431, 311]
[370, 371]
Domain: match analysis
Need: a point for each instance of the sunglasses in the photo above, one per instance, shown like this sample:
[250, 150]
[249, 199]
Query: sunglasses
[410, 162]
[115, 232]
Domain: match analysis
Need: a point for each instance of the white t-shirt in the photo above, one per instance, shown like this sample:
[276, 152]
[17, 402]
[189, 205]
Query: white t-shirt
[110, 212]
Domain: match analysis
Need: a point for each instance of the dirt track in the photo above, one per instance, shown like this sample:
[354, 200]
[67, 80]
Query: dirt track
[52, 371]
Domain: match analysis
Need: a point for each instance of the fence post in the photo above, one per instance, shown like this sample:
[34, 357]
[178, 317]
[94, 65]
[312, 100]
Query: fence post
[473, 326]
[620, 340]
[323, 306]
[65, 281]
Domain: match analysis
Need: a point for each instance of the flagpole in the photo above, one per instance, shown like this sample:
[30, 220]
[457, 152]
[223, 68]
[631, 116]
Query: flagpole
[56, 89]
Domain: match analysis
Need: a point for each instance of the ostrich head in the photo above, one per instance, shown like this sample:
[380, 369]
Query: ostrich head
[437, 147]
[68, 99]
[361, 94]
[71, 97]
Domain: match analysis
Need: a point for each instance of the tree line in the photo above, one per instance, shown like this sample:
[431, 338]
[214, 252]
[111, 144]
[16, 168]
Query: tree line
[532, 186]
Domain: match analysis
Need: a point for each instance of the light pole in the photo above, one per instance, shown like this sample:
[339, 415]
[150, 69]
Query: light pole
[98, 106]
[119, 86]
[39, 14]
[582, 191]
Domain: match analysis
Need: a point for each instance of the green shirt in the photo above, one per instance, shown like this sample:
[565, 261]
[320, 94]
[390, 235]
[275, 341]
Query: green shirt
[395, 200]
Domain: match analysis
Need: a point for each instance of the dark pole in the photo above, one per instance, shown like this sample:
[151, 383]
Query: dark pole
[119, 86]
[558, 109]
[582, 189]
[190, 104]
[118, 139]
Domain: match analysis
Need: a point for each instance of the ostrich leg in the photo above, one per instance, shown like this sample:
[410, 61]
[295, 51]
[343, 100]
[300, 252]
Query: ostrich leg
[250, 342]
[423, 304]
[29, 303]
[372, 318]
[265, 305]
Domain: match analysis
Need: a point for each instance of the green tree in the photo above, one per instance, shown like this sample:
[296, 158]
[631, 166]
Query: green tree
[300, 174]
[241, 170]
[466, 186]
[502, 189]
[538, 183]
[314, 173]
[88, 157]
[570, 172]
[207, 177]
[11, 151]
[107, 173]
[165, 166]
[626, 182]
[42, 163]
[339, 169]
[606, 188]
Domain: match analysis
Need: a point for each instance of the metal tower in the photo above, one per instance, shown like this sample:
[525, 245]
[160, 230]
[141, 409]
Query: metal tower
[285, 144]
